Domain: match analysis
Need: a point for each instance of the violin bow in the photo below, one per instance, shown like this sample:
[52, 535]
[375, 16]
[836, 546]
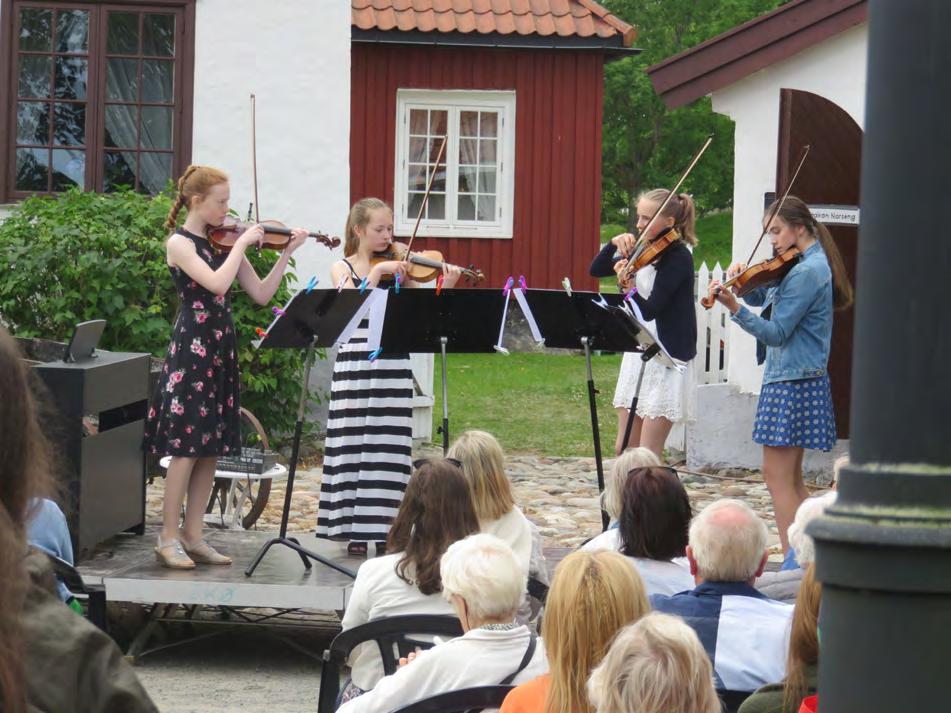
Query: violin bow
[666, 201]
[254, 158]
[779, 206]
[429, 187]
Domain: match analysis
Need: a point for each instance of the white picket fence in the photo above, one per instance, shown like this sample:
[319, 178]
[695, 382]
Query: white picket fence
[713, 330]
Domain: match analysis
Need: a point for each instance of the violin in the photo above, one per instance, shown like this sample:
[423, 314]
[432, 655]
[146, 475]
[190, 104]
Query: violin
[767, 271]
[653, 250]
[277, 236]
[758, 275]
[425, 265]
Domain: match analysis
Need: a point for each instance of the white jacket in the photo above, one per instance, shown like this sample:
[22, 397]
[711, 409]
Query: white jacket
[481, 657]
[378, 593]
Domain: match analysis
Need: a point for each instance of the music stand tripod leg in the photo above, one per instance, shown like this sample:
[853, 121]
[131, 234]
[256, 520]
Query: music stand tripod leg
[445, 398]
[595, 430]
[648, 354]
[282, 539]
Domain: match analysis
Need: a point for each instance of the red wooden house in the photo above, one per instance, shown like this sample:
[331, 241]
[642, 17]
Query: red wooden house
[516, 86]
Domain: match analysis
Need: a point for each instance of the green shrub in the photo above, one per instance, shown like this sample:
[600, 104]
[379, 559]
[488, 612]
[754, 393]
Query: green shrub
[81, 256]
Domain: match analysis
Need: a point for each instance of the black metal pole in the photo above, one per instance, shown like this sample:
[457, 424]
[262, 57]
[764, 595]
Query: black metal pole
[649, 353]
[282, 538]
[595, 430]
[883, 552]
[445, 398]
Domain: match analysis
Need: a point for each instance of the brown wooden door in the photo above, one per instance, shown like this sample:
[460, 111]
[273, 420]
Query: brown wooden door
[829, 176]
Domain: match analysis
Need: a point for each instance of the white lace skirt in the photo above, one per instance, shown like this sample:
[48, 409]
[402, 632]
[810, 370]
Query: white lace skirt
[665, 392]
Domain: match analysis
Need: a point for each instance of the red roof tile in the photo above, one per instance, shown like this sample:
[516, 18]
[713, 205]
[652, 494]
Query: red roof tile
[564, 18]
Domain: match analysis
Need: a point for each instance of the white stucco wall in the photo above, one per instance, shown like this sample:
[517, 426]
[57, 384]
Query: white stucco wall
[834, 69]
[294, 55]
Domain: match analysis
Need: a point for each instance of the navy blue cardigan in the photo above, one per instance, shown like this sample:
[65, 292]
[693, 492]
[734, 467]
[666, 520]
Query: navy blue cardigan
[671, 299]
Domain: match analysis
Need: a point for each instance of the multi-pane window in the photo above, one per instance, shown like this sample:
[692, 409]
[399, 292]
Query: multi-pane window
[97, 96]
[139, 100]
[51, 107]
[472, 191]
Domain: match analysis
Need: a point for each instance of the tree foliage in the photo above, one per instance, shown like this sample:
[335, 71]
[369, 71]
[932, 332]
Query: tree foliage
[81, 256]
[646, 145]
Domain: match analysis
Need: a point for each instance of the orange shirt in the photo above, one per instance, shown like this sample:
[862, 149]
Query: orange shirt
[528, 697]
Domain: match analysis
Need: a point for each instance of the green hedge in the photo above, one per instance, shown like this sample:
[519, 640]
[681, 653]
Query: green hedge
[81, 256]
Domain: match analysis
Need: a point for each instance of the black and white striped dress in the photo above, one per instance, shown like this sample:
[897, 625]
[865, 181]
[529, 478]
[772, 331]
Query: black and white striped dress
[368, 451]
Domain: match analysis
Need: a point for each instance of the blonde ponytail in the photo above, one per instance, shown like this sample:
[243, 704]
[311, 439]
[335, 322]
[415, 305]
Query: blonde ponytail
[681, 208]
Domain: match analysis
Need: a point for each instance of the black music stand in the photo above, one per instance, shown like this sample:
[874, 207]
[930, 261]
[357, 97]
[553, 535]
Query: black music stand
[460, 320]
[590, 320]
[318, 318]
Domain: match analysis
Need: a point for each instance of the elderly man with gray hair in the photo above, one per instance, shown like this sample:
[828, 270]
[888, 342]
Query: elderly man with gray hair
[744, 633]
[484, 583]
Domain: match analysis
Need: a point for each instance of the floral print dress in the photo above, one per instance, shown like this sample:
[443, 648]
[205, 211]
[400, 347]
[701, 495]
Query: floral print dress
[194, 411]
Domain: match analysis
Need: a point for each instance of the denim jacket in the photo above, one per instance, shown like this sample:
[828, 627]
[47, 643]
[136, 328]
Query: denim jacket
[799, 331]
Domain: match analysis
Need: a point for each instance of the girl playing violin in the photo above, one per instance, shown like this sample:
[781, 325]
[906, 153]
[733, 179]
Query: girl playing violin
[194, 412]
[795, 403]
[368, 450]
[664, 294]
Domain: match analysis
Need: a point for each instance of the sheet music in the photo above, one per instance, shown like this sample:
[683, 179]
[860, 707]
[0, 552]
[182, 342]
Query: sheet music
[630, 306]
[529, 317]
[375, 306]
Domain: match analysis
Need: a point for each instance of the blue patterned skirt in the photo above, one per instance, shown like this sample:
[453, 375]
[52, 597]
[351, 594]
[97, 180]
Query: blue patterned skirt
[796, 413]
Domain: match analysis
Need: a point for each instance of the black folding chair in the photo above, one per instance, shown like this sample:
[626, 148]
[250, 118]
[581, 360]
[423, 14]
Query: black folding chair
[465, 699]
[393, 637]
[95, 593]
[731, 701]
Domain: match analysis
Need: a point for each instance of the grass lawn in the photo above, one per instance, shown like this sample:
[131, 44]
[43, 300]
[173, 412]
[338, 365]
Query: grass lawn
[531, 402]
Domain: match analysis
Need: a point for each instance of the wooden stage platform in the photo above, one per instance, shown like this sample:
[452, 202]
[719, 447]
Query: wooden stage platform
[126, 567]
[281, 592]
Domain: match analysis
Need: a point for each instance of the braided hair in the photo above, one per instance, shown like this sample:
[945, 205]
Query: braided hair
[196, 181]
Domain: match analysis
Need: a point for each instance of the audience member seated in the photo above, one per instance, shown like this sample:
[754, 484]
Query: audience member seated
[784, 584]
[743, 632]
[484, 582]
[47, 530]
[617, 476]
[50, 659]
[483, 463]
[435, 512]
[594, 594]
[802, 663]
[656, 665]
[652, 531]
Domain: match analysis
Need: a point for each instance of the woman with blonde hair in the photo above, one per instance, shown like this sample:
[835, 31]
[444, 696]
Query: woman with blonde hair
[593, 595]
[656, 665]
[611, 502]
[368, 452]
[802, 663]
[663, 291]
[483, 464]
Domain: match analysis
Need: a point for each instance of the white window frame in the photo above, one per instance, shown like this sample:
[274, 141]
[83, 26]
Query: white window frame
[455, 101]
